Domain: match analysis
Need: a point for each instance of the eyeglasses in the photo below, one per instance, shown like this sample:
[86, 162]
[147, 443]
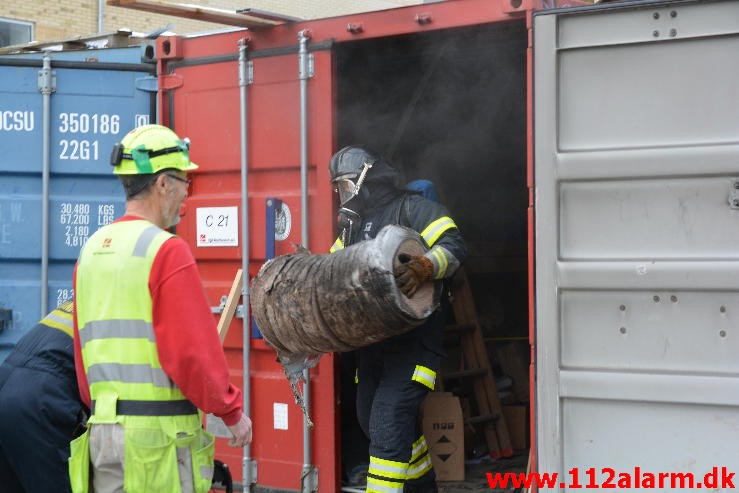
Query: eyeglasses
[183, 180]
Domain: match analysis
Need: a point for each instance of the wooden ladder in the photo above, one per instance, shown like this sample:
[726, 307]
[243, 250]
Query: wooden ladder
[476, 366]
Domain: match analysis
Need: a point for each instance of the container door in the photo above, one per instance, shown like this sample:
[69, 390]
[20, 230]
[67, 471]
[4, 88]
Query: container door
[93, 101]
[637, 227]
[205, 106]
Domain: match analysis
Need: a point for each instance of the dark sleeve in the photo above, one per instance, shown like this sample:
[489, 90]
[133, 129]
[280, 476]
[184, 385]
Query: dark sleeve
[437, 227]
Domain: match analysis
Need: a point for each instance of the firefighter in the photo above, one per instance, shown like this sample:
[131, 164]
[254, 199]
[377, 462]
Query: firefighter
[147, 353]
[40, 408]
[394, 376]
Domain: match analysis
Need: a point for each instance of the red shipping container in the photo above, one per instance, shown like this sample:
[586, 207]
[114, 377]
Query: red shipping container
[405, 81]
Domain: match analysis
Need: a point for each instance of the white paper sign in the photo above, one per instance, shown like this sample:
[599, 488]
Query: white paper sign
[280, 416]
[217, 226]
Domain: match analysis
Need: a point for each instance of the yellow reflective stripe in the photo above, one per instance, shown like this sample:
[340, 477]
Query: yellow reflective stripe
[59, 319]
[387, 468]
[441, 261]
[437, 228]
[375, 485]
[356, 375]
[420, 468]
[419, 447]
[338, 245]
[424, 376]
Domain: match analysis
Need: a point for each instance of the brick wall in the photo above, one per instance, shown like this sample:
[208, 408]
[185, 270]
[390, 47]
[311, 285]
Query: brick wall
[59, 20]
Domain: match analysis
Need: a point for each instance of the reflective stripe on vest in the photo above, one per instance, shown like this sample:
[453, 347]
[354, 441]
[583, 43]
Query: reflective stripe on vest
[114, 310]
[120, 329]
[128, 373]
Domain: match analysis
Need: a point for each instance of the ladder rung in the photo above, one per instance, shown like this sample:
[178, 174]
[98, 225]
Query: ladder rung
[472, 372]
[476, 420]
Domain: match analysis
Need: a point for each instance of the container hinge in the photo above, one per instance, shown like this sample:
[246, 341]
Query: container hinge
[249, 76]
[46, 81]
[309, 479]
[219, 309]
[147, 84]
[170, 81]
[306, 66]
[734, 194]
[305, 59]
[249, 471]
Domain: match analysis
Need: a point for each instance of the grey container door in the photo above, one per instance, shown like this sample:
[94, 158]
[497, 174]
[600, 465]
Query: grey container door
[637, 241]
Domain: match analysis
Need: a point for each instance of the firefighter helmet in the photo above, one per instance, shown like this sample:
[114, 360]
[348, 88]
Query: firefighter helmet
[349, 162]
[349, 168]
[149, 149]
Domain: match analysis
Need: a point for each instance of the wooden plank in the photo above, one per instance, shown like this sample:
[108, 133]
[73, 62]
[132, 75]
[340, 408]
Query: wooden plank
[196, 12]
[229, 308]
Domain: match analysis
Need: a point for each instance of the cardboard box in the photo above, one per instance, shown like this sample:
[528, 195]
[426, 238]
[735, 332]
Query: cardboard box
[443, 427]
[517, 419]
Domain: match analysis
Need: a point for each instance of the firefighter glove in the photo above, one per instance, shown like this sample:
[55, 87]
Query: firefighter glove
[412, 272]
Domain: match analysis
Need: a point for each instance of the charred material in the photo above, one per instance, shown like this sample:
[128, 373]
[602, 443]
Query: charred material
[308, 304]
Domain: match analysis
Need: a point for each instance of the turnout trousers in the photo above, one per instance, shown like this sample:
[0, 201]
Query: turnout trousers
[389, 396]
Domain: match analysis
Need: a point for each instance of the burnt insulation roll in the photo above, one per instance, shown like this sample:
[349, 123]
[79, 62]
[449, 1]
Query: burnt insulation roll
[307, 304]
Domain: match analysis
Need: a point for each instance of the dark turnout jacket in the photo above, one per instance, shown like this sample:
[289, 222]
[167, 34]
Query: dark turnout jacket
[40, 409]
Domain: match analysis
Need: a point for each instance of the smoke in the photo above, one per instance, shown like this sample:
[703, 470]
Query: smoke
[448, 106]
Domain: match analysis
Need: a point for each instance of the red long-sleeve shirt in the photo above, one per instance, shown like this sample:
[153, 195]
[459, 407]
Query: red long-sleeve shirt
[187, 340]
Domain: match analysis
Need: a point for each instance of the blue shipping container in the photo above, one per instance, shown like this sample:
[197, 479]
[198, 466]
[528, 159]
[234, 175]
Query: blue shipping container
[56, 183]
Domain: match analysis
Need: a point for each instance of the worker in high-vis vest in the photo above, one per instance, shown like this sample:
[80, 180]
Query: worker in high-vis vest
[40, 407]
[148, 357]
[394, 375]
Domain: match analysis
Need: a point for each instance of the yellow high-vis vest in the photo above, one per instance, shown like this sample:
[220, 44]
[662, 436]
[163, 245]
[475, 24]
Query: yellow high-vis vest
[119, 353]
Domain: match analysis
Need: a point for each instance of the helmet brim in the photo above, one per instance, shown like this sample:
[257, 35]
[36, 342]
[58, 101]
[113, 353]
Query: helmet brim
[345, 176]
[131, 170]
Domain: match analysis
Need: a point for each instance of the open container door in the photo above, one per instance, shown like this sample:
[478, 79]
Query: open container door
[203, 102]
[637, 225]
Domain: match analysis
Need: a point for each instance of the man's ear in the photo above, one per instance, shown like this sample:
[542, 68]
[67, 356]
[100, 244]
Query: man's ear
[161, 183]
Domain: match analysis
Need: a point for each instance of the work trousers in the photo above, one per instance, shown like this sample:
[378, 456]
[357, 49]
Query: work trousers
[107, 459]
[388, 404]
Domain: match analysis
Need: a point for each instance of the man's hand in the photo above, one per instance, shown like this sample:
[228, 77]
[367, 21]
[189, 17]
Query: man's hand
[412, 272]
[241, 432]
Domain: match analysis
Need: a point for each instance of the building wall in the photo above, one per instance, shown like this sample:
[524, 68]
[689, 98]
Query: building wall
[54, 20]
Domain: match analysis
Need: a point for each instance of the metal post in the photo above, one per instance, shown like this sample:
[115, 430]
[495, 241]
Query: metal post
[249, 469]
[101, 15]
[309, 479]
[46, 85]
